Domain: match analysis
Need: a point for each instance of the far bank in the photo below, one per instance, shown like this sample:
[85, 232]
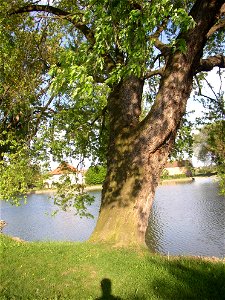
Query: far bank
[99, 186]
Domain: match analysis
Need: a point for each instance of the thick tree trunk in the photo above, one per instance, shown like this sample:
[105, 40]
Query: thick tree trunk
[138, 151]
[133, 171]
[127, 198]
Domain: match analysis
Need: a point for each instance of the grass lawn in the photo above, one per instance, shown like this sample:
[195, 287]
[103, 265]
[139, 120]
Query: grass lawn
[54, 270]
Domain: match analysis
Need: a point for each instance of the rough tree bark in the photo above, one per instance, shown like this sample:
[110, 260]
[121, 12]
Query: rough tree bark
[138, 151]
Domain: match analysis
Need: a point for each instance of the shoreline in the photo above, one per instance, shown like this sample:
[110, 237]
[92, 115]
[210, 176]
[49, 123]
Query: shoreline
[98, 187]
[52, 191]
[168, 256]
[176, 181]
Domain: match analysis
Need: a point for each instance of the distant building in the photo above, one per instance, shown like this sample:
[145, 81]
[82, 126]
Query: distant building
[57, 175]
[179, 167]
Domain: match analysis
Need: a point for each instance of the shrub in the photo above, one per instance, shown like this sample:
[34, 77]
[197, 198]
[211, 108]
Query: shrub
[206, 170]
[165, 174]
[95, 175]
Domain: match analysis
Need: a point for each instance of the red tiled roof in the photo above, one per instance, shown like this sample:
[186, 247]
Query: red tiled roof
[63, 168]
[174, 164]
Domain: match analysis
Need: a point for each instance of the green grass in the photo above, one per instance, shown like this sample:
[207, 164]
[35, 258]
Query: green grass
[53, 270]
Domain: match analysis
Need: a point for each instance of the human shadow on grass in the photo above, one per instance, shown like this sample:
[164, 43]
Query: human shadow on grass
[196, 282]
[106, 287]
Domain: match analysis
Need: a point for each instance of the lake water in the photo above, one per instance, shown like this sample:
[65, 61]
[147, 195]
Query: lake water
[186, 219]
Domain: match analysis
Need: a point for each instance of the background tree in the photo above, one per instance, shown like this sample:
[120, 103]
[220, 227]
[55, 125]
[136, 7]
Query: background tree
[210, 140]
[108, 51]
[25, 57]
[95, 175]
[210, 144]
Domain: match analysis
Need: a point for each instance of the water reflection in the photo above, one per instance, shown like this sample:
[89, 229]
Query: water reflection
[185, 219]
[33, 221]
[188, 219]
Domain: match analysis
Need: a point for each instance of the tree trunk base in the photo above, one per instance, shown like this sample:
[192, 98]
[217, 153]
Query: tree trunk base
[118, 226]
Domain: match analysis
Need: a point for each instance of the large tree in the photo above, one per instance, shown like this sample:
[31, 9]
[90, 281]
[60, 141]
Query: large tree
[109, 50]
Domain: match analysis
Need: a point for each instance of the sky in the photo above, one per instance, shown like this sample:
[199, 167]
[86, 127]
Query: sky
[214, 80]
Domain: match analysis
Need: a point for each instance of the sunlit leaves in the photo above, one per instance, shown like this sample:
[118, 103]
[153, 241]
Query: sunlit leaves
[71, 194]
[80, 119]
[18, 174]
[184, 141]
[95, 175]
[124, 28]
[182, 20]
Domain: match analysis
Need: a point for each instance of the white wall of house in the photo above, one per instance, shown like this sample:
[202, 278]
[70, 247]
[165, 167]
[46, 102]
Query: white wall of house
[76, 178]
[176, 170]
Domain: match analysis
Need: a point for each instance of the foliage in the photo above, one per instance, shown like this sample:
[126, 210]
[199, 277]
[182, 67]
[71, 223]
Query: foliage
[205, 171]
[165, 174]
[59, 270]
[210, 140]
[18, 174]
[184, 141]
[95, 175]
[22, 80]
[211, 147]
[72, 195]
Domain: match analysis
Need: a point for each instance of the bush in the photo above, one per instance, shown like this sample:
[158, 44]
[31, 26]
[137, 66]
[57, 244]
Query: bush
[205, 171]
[95, 175]
[165, 174]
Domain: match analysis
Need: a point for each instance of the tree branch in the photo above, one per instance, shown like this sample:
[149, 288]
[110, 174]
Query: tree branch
[103, 112]
[165, 49]
[209, 63]
[200, 90]
[220, 24]
[72, 18]
[151, 73]
[216, 27]
[39, 116]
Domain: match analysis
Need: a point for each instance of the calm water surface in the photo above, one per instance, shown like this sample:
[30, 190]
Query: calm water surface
[186, 219]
